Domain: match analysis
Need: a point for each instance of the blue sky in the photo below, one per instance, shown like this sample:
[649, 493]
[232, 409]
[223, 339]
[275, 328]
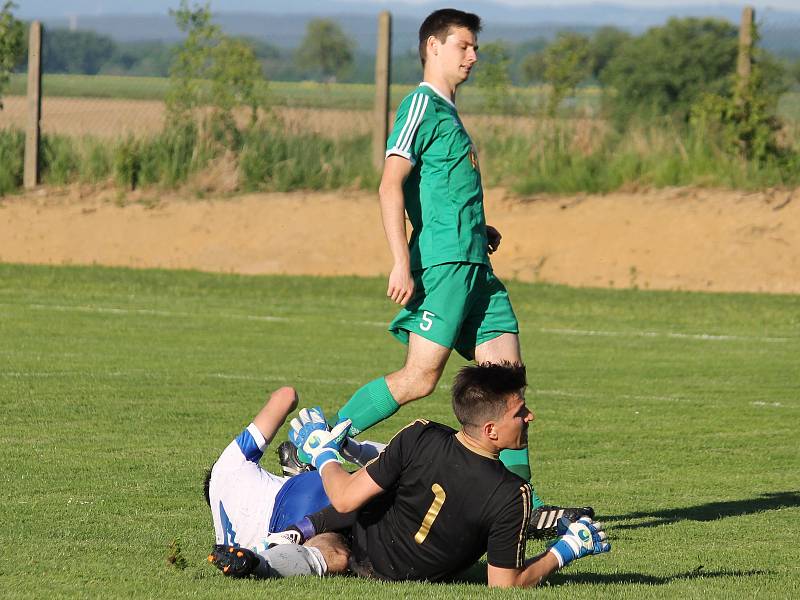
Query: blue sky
[34, 7]
[640, 3]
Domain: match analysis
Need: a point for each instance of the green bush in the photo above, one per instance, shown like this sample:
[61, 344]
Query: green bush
[657, 155]
[665, 70]
[12, 159]
[127, 163]
[60, 160]
[96, 160]
[272, 160]
[169, 158]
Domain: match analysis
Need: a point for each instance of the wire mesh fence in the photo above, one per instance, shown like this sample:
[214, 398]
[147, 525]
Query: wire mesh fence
[112, 109]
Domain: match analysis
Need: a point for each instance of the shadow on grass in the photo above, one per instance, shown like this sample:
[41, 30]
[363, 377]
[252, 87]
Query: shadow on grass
[708, 512]
[477, 575]
[643, 578]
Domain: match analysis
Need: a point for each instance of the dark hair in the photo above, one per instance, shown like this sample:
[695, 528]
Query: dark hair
[480, 392]
[440, 22]
[207, 486]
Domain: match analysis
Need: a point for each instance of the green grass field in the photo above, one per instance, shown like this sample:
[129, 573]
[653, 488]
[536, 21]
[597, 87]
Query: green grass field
[675, 414]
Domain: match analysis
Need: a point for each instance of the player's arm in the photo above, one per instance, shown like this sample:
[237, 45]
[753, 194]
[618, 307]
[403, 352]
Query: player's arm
[395, 171]
[532, 574]
[582, 538]
[348, 491]
[270, 418]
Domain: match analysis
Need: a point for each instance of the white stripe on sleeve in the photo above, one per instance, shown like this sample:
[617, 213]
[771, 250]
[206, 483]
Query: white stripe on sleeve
[405, 144]
[408, 120]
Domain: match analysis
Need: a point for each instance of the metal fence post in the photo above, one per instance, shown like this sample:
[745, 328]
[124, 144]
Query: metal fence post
[382, 82]
[31, 173]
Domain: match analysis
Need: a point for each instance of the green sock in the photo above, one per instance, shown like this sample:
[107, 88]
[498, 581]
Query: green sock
[370, 404]
[518, 462]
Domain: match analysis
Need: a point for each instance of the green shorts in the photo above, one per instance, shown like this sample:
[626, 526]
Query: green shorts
[456, 305]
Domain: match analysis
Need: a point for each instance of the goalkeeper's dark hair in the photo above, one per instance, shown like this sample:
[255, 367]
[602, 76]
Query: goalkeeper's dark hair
[440, 22]
[480, 392]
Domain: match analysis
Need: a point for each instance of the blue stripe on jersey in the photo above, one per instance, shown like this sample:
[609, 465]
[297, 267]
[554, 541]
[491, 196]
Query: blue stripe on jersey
[249, 447]
[227, 528]
[301, 495]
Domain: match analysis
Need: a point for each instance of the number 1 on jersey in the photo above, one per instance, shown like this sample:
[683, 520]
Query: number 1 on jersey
[438, 499]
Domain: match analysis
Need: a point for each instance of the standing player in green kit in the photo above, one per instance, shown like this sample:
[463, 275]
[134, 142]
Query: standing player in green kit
[442, 277]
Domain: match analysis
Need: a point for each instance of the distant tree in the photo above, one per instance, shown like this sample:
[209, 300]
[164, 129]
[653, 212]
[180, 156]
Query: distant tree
[79, 52]
[668, 68]
[604, 45]
[794, 69]
[776, 74]
[532, 67]
[325, 48]
[519, 54]
[236, 76]
[11, 44]
[492, 74]
[212, 69]
[563, 64]
[745, 117]
[151, 58]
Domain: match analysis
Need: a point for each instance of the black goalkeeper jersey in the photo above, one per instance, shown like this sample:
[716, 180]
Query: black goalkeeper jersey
[447, 502]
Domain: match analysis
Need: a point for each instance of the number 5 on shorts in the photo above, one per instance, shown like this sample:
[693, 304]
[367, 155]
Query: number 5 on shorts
[427, 322]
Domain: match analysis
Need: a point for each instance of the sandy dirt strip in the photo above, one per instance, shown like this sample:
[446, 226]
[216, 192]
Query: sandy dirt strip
[688, 239]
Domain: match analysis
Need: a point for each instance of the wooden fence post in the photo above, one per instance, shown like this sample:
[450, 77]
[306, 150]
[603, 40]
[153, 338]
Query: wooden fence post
[743, 63]
[382, 82]
[30, 176]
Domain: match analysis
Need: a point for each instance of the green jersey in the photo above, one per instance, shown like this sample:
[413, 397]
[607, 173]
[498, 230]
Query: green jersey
[443, 193]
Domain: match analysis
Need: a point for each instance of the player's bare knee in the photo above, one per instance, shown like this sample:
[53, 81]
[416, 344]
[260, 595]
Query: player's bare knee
[334, 550]
[426, 383]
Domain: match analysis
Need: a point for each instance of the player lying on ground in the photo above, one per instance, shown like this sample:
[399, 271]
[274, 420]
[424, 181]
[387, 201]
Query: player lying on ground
[442, 276]
[248, 503]
[435, 500]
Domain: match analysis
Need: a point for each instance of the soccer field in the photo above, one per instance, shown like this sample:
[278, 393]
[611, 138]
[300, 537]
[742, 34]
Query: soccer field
[675, 414]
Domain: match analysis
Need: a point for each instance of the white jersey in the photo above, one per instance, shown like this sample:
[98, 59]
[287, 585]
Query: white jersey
[243, 494]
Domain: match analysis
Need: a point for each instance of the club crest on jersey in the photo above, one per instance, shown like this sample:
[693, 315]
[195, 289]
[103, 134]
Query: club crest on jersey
[473, 157]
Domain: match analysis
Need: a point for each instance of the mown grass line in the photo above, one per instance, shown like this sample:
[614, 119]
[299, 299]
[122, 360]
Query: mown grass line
[119, 387]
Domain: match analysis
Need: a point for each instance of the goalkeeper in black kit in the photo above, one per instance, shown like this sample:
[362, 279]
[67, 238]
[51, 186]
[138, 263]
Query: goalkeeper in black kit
[436, 500]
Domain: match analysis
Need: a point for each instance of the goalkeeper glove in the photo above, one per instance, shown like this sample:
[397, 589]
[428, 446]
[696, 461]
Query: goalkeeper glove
[579, 539]
[325, 446]
[307, 421]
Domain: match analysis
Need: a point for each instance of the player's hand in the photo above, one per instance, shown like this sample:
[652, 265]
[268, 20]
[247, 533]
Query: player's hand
[302, 426]
[579, 539]
[326, 446]
[494, 238]
[401, 285]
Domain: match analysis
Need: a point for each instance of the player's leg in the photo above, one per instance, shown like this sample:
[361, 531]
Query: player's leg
[491, 334]
[381, 398]
[505, 347]
[429, 324]
[325, 554]
[496, 340]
